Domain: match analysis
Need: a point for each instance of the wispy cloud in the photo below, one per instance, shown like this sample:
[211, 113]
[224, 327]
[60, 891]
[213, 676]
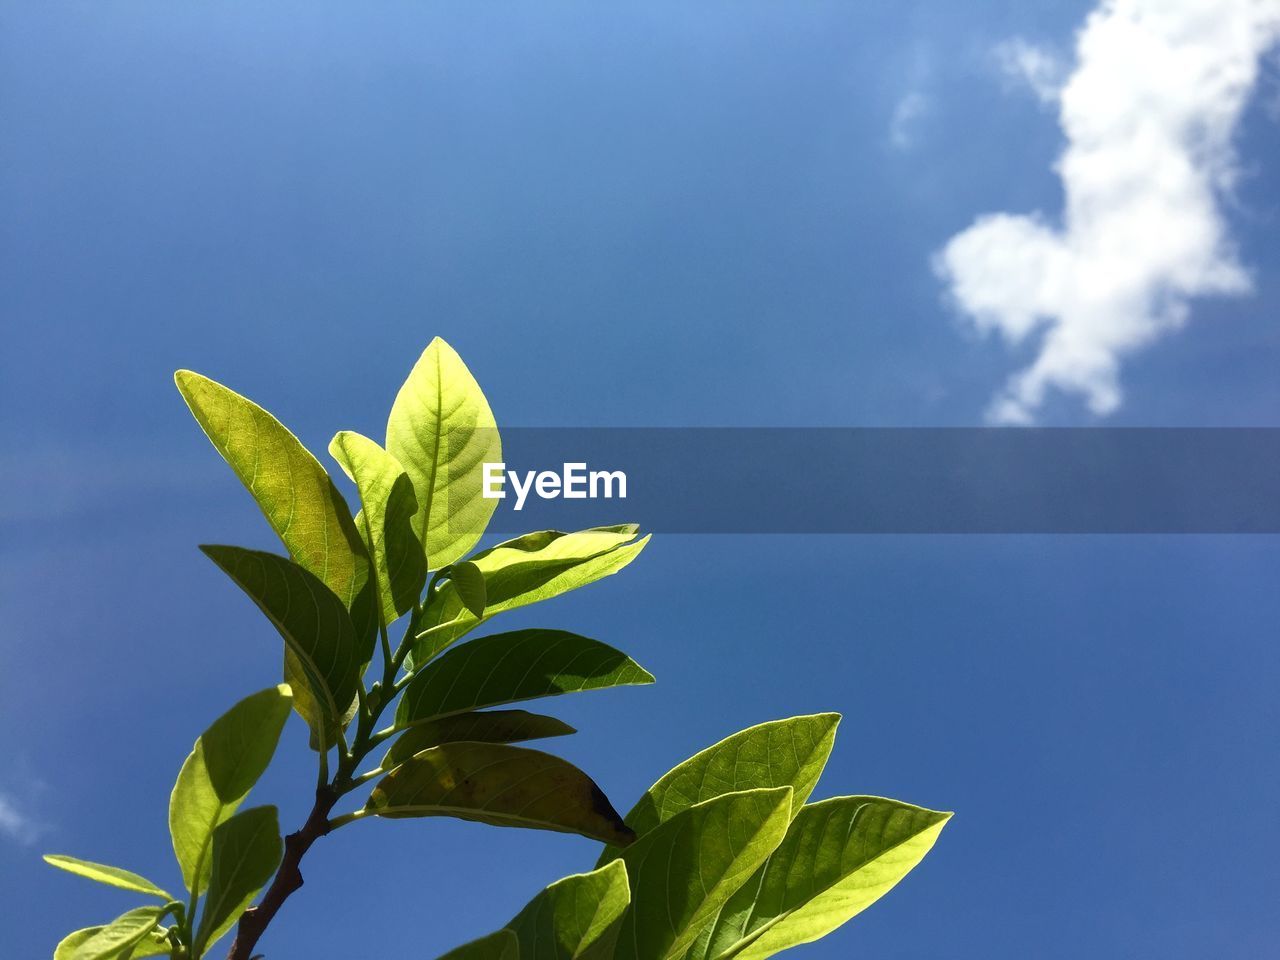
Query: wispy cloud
[1149, 112]
[907, 113]
[1031, 66]
[17, 825]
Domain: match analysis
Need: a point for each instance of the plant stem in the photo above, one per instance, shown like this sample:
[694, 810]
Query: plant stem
[253, 923]
[288, 878]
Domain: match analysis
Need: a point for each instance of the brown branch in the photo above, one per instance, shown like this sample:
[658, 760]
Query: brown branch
[288, 878]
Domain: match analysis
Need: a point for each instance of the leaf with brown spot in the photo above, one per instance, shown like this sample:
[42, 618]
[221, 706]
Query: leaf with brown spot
[500, 785]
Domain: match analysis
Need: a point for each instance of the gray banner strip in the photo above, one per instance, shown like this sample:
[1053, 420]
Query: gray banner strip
[820, 480]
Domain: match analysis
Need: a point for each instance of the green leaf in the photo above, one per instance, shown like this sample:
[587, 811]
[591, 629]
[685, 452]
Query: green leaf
[839, 856]
[468, 581]
[68, 945]
[295, 493]
[326, 656]
[509, 667]
[246, 851]
[781, 753]
[117, 937]
[528, 569]
[227, 761]
[500, 785]
[494, 726]
[443, 432]
[388, 508]
[683, 871]
[576, 917]
[496, 946]
[111, 876]
[148, 946]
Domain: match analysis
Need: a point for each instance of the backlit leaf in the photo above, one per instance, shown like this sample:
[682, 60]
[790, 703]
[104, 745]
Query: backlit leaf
[442, 431]
[500, 785]
[576, 917]
[326, 654]
[246, 851]
[490, 726]
[469, 583]
[781, 753]
[839, 856]
[683, 871]
[111, 876]
[528, 569]
[68, 945]
[118, 936]
[496, 946]
[227, 761]
[295, 493]
[509, 667]
[388, 507]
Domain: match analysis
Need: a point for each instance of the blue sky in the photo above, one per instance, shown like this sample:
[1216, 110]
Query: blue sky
[657, 214]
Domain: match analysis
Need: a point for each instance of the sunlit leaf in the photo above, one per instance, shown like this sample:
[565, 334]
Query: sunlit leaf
[509, 667]
[442, 431]
[839, 856]
[111, 876]
[469, 583]
[246, 851]
[496, 946]
[528, 569]
[682, 872]
[574, 918]
[318, 634]
[227, 761]
[68, 945]
[500, 785]
[118, 936]
[388, 506]
[781, 753]
[491, 726]
[292, 488]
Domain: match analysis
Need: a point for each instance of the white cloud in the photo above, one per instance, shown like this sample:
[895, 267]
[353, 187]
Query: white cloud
[1031, 65]
[910, 109]
[16, 825]
[1149, 112]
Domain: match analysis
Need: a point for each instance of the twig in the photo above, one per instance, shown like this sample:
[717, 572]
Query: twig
[288, 878]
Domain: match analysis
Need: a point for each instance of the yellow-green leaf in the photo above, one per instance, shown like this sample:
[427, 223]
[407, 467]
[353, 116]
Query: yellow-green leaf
[326, 657]
[510, 667]
[227, 761]
[118, 936]
[528, 569]
[469, 583]
[500, 785]
[388, 507]
[111, 876]
[839, 856]
[781, 753]
[68, 945]
[574, 918]
[295, 493]
[246, 851]
[442, 430]
[489, 726]
[682, 872]
[496, 946]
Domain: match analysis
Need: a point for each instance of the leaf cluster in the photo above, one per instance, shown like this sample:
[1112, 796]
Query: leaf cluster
[722, 858]
[405, 556]
[731, 862]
